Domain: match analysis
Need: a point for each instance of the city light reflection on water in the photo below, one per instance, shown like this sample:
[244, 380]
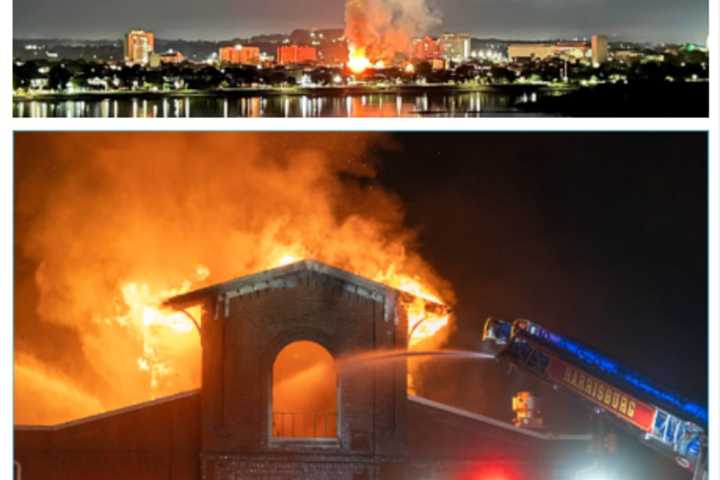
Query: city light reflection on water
[471, 104]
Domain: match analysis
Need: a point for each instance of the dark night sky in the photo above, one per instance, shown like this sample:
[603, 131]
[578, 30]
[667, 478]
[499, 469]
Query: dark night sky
[600, 236]
[644, 20]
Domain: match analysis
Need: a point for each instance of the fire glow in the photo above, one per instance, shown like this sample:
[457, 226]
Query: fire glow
[101, 273]
[357, 61]
[381, 31]
[159, 328]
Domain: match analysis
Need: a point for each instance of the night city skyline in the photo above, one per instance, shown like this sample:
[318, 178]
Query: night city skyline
[656, 22]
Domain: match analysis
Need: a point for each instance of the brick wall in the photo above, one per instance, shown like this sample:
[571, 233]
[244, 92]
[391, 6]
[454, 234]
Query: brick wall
[240, 350]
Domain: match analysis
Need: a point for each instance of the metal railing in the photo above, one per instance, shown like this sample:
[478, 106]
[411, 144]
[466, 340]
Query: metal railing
[304, 425]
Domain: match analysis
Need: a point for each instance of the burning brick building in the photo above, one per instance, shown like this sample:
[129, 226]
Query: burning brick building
[258, 333]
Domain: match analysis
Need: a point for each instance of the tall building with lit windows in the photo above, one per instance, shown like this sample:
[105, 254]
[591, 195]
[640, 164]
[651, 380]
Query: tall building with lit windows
[599, 45]
[139, 45]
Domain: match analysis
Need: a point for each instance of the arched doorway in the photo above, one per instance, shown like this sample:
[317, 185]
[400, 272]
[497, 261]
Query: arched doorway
[304, 392]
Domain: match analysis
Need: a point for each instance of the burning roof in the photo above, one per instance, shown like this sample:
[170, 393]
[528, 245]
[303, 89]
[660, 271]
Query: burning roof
[286, 277]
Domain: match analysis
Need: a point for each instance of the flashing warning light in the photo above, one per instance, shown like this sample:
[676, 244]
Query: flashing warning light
[492, 472]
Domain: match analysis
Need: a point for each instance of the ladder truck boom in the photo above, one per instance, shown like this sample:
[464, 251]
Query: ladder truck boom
[664, 421]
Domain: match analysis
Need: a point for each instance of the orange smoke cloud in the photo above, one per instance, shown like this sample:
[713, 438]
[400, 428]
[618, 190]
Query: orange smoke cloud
[37, 381]
[114, 222]
[382, 29]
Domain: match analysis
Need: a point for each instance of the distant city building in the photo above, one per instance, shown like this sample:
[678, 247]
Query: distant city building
[291, 53]
[544, 50]
[139, 46]
[572, 50]
[426, 48]
[456, 46]
[240, 55]
[627, 55]
[488, 50]
[171, 56]
[540, 51]
[333, 52]
[599, 49]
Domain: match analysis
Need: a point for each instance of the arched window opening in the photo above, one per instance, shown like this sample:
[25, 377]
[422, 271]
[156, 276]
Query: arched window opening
[304, 392]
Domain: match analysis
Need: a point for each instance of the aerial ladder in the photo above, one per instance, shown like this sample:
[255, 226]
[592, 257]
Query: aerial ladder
[662, 420]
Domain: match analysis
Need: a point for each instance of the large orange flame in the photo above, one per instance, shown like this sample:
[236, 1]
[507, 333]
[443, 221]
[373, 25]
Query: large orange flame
[357, 61]
[163, 331]
[237, 203]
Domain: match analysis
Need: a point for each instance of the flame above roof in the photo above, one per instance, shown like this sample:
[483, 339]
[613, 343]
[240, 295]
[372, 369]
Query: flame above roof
[277, 277]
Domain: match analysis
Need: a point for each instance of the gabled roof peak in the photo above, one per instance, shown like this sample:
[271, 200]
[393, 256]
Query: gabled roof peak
[277, 277]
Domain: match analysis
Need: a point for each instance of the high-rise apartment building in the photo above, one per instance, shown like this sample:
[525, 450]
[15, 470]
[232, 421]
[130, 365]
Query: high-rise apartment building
[139, 46]
[599, 49]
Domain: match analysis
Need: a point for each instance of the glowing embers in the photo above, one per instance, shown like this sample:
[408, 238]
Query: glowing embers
[304, 393]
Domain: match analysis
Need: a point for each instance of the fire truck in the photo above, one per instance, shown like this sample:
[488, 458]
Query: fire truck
[671, 425]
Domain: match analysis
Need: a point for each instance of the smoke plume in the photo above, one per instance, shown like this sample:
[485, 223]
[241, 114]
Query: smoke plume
[385, 28]
[107, 221]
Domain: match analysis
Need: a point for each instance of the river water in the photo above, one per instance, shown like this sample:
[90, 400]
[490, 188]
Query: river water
[417, 104]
